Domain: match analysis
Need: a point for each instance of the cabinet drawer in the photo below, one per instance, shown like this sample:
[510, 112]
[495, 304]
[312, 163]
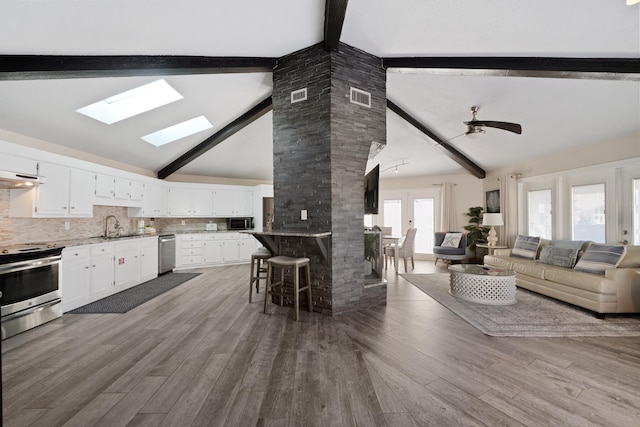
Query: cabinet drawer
[213, 236]
[97, 250]
[188, 245]
[69, 254]
[189, 260]
[190, 237]
[190, 252]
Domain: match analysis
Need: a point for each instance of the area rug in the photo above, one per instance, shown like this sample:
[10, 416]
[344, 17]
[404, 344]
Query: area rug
[533, 315]
[133, 297]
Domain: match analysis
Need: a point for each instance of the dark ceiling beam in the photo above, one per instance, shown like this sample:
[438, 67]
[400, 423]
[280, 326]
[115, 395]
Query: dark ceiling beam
[442, 144]
[33, 67]
[543, 64]
[334, 12]
[238, 124]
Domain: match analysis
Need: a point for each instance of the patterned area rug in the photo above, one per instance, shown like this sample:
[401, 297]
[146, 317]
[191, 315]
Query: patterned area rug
[133, 297]
[533, 315]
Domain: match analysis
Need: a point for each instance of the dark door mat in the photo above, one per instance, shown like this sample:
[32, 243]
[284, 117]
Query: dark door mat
[131, 298]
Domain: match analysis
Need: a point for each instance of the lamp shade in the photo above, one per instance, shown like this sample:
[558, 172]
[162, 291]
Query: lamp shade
[492, 219]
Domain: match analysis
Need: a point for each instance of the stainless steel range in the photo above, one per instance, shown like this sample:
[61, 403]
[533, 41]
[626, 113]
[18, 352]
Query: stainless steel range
[29, 286]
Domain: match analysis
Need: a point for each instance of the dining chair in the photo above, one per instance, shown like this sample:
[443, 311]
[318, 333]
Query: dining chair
[406, 249]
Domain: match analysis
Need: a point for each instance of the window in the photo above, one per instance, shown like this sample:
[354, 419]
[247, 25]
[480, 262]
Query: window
[393, 216]
[424, 220]
[368, 220]
[587, 212]
[540, 213]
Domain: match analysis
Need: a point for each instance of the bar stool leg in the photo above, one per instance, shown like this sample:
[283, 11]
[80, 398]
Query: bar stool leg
[251, 280]
[310, 304]
[267, 290]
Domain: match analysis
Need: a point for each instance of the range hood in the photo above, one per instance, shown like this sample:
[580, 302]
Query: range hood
[19, 180]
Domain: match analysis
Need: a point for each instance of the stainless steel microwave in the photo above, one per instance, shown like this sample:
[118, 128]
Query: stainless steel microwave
[239, 223]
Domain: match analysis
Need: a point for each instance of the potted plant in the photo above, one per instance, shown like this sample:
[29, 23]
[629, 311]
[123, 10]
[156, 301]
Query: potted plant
[475, 232]
[370, 251]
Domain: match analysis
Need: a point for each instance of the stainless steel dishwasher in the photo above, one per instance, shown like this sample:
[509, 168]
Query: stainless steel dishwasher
[166, 253]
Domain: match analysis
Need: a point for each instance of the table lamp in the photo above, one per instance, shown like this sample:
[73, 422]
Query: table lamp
[492, 219]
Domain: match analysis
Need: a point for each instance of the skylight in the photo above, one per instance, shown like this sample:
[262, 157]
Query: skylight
[132, 102]
[178, 131]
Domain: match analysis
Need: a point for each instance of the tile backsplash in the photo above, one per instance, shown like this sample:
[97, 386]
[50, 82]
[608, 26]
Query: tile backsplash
[15, 231]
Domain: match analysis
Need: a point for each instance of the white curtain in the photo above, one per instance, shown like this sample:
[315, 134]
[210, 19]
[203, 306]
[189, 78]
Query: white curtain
[447, 209]
[509, 208]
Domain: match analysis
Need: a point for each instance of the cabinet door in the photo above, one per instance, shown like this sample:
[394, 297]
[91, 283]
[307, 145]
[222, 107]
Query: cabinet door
[231, 250]
[243, 203]
[223, 203]
[104, 186]
[202, 202]
[247, 247]
[121, 189]
[212, 251]
[137, 191]
[149, 260]
[81, 188]
[154, 202]
[76, 279]
[52, 198]
[179, 202]
[102, 280]
[127, 267]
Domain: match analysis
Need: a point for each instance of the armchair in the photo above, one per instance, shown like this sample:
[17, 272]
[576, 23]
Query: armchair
[448, 253]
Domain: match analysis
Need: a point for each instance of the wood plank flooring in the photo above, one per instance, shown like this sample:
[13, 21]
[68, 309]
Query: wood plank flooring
[201, 355]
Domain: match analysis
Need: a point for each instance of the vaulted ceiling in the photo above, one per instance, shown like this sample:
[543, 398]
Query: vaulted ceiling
[562, 102]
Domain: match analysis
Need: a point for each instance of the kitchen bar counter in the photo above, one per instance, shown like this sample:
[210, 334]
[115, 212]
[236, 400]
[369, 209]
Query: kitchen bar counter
[271, 239]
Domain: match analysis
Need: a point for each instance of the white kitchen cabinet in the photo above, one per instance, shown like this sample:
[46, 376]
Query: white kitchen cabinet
[66, 193]
[232, 203]
[155, 202]
[102, 273]
[80, 193]
[212, 249]
[127, 263]
[75, 277]
[231, 250]
[248, 245]
[117, 191]
[188, 250]
[190, 202]
[148, 259]
[52, 197]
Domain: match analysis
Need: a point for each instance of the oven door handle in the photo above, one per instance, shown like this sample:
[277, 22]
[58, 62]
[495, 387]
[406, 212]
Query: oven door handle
[26, 265]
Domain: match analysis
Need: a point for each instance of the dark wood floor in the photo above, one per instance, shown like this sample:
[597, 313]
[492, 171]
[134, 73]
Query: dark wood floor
[202, 355]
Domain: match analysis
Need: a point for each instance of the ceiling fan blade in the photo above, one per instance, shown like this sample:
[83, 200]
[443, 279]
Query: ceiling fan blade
[511, 127]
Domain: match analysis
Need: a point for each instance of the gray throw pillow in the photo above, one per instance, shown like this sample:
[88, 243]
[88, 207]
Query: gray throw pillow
[526, 247]
[560, 257]
[597, 258]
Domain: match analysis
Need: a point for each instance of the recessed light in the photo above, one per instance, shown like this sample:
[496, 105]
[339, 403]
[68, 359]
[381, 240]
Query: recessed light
[132, 102]
[178, 131]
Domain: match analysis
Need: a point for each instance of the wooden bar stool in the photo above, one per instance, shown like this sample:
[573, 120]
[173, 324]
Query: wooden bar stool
[258, 269]
[283, 262]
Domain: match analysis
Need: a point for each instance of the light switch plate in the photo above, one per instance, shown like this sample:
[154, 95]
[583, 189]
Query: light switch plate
[303, 214]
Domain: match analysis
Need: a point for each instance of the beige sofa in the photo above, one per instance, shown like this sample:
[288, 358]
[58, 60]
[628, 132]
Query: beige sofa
[617, 291]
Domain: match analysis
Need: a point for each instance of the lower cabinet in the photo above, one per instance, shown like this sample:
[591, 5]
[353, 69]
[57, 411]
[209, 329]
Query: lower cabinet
[217, 248]
[92, 272]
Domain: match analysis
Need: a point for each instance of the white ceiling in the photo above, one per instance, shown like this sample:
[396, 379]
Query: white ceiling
[556, 113]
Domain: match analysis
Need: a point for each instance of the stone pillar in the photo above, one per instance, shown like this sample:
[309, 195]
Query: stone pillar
[321, 147]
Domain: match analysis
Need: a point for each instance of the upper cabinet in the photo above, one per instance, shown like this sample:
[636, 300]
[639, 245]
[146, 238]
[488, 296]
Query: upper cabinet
[230, 203]
[66, 193]
[155, 203]
[118, 191]
[190, 202]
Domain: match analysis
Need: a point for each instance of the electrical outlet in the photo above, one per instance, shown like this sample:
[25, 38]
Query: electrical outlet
[66, 225]
[303, 214]
[182, 222]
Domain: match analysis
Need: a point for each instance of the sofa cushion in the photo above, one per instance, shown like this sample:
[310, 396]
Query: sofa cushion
[597, 258]
[559, 256]
[525, 247]
[529, 267]
[579, 280]
[451, 240]
[631, 257]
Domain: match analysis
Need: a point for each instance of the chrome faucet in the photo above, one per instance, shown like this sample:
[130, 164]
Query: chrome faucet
[116, 225]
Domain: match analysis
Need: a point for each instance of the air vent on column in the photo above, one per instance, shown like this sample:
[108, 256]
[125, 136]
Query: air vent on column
[360, 97]
[298, 95]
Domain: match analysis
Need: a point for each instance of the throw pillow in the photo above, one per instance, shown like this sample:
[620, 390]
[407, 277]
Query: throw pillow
[452, 240]
[560, 257]
[526, 247]
[569, 244]
[597, 258]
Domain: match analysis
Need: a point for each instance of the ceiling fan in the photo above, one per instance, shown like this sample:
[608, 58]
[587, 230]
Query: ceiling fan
[477, 126]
